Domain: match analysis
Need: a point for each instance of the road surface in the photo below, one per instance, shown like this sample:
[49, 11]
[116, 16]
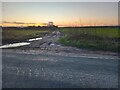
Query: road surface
[22, 69]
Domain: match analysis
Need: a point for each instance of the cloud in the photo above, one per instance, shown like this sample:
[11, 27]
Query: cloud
[17, 22]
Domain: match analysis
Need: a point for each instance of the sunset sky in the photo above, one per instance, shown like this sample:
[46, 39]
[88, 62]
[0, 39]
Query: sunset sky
[61, 13]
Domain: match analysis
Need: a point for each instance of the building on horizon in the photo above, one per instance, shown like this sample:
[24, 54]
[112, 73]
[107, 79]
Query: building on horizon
[50, 24]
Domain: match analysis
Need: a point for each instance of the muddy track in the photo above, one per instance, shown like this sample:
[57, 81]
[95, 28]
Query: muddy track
[49, 43]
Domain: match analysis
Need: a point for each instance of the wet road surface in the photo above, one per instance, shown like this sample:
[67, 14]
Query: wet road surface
[25, 70]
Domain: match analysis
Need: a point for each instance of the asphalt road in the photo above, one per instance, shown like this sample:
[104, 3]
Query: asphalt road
[25, 70]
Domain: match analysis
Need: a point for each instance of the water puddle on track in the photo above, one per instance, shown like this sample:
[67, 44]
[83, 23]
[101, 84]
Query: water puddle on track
[15, 45]
[19, 44]
[34, 39]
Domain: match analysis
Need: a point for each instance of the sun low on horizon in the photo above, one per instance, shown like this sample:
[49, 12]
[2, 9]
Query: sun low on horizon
[60, 13]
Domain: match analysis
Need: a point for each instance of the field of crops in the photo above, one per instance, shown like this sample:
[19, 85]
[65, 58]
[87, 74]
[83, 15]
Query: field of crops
[105, 32]
[106, 39]
[17, 35]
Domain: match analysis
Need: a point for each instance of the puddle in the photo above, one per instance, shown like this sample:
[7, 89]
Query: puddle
[19, 44]
[15, 45]
[34, 39]
[53, 44]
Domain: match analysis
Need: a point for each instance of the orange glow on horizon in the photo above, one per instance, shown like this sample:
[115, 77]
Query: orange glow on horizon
[68, 23]
[59, 25]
